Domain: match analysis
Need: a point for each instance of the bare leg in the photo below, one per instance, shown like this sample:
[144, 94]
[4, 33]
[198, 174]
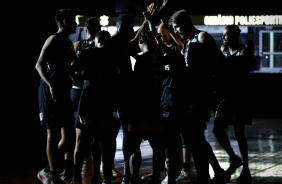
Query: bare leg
[219, 132]
[52, 147]
[53, 138]
[242, 142]
[82, 143]
[66, 148]
[245, 175]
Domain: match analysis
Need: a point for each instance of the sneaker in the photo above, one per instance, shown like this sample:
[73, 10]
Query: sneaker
[85, 168]
[149, 176]
[183, 177]
[65, 178]
[168, 181]
[67, 181]
[125, 180]
[245, 176]
[44, 177]
[116, 173]
[235, 163]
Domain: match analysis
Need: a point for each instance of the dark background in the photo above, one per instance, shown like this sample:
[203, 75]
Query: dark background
[28, 24]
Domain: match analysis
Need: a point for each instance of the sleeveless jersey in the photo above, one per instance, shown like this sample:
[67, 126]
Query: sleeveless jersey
[227, 54]
[166, 98]
[58, 68]
[198, 71]
[234, 108]
[236, 70]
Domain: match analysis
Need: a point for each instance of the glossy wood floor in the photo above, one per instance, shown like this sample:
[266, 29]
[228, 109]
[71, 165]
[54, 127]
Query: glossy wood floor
[265, 152]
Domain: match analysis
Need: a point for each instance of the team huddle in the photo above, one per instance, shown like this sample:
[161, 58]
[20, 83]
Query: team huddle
[90, 89]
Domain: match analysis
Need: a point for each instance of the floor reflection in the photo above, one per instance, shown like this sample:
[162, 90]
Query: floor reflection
[265, 156]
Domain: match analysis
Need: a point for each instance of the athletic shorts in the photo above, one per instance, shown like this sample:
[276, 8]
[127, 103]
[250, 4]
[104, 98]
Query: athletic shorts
[94, 105]
[55, 114]
[234, 112]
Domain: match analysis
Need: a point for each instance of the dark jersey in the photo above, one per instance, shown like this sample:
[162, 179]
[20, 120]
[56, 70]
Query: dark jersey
[120, 48]
[168, 79]
[78, 79]
[198, 72]
[99, 90]
[234, 87]
[198, 76]
[235, 73]
[148, 79]
[58, 68]
[121, 44]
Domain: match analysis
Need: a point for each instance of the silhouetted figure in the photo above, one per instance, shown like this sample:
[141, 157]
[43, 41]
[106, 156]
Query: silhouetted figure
[55, 106]
[178, 170]
[122, 49]
[233, 88]
[202, 56]
[96, 107]
[148, 74]
[92, 27]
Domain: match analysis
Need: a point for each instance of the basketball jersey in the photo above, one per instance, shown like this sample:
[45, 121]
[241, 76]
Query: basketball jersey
[58, 68]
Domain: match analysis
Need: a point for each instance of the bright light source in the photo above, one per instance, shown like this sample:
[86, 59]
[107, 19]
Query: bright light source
[104, 20]
[218, 20]
[77, 18]
[243, 20]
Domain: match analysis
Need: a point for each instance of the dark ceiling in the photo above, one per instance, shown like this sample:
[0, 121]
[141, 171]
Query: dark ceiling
[112, 7]
[244, 7]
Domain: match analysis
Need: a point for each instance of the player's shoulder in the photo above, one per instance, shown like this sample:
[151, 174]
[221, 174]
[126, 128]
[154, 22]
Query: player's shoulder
[205, 37]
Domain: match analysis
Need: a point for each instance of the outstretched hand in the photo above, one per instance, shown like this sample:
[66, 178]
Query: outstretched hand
[153, 8]
[152, 12]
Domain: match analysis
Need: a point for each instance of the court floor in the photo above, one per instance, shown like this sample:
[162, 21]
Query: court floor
[265, 154]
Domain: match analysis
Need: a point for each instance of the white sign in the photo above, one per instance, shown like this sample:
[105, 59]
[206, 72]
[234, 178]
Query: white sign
[243, 20]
